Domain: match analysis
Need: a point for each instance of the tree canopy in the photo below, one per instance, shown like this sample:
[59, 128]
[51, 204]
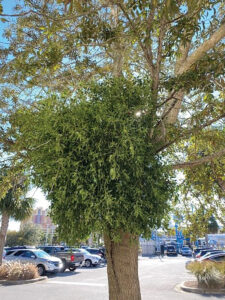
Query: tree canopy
[97, 162]
[54, 46]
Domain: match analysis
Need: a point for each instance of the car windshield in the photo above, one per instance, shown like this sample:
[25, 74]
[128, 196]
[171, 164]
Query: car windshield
[185, 248]
[42, 254]
[171, 248]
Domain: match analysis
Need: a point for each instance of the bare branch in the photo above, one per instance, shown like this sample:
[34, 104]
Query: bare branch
[197, 162]
[18, 15]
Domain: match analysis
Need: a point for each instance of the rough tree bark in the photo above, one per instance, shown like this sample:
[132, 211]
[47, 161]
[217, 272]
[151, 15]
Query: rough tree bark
[3, 232]
[122, 267]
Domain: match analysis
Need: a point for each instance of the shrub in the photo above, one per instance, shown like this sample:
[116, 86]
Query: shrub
[3, 271]
[208, 274]
[18, 271]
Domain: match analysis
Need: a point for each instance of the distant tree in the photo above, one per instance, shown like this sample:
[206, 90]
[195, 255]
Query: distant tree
[12, 238]
[213, 226]
[31, 235]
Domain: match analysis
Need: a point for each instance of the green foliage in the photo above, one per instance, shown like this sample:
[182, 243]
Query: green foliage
[12, 238]
[30, 235]
[94, 157]
[213, 226]
[13, 201]
[208, 274]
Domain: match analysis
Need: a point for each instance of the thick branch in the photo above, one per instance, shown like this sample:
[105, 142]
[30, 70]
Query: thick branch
[184, 63]
[202, 49]
[197, 162]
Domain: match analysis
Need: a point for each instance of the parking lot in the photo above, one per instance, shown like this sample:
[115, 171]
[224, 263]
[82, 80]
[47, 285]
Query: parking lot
[158, 279]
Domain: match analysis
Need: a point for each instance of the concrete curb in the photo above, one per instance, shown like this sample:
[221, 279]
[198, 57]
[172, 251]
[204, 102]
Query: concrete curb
[16, 282]
[202, 291]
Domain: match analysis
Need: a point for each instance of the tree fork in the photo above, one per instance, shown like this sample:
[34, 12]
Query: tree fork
[122, 267]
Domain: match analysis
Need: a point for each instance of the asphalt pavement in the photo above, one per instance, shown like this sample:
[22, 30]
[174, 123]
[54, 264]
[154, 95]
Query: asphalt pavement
[159, 278]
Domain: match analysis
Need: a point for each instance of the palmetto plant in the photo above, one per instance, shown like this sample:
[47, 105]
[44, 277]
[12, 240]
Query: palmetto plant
[14, 205]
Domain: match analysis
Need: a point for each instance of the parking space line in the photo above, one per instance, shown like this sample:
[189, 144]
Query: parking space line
[76, 283]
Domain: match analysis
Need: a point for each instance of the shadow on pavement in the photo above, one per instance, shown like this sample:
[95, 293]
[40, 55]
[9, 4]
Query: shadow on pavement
[64, 274]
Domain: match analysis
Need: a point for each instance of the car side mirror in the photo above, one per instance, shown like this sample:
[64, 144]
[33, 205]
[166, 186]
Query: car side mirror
[33, 256]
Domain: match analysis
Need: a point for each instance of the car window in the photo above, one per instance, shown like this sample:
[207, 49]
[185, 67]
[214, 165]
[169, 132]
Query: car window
[27, 254]
[84, 251]
[219, 258]
[92, 250]
[58, 249]
[18, 253]
[42, 254]
[9, 252]
[48, 250]
[171, 248]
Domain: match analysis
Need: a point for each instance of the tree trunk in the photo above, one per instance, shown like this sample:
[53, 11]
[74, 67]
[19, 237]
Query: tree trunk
[122, 267]
[3, 232]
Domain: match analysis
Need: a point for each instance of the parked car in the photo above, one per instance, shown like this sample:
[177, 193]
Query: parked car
[214, 257]
[171, 250]
[41, 259]
[70, 259]
[186, 251]
[96, 252]
[10, 250]
[3, 255]
[90, 259]
[205, 251]
[196, 251]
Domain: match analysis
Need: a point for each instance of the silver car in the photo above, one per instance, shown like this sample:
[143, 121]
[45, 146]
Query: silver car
[43, 261]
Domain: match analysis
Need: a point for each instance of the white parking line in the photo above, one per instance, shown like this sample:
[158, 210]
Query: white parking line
[77, 283]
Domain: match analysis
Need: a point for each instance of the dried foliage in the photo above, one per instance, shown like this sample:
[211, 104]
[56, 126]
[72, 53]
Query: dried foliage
[18, 271]
[208, 274]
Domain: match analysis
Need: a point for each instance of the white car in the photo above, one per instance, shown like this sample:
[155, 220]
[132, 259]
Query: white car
[90, 259]
[42, 260]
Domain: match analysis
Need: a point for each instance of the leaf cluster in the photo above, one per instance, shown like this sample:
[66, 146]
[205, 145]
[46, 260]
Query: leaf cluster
[93, 156]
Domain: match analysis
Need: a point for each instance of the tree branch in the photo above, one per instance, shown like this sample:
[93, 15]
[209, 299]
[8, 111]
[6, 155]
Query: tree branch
[197, 162]
[148, 54]
[190, 131]
[202, 49]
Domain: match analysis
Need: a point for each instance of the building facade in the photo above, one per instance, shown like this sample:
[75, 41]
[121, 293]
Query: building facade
[41, 218]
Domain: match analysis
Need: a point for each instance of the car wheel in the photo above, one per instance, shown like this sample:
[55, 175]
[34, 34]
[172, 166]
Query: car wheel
[88, 263]
[41, 270]
[71, 268]
[63, 266]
